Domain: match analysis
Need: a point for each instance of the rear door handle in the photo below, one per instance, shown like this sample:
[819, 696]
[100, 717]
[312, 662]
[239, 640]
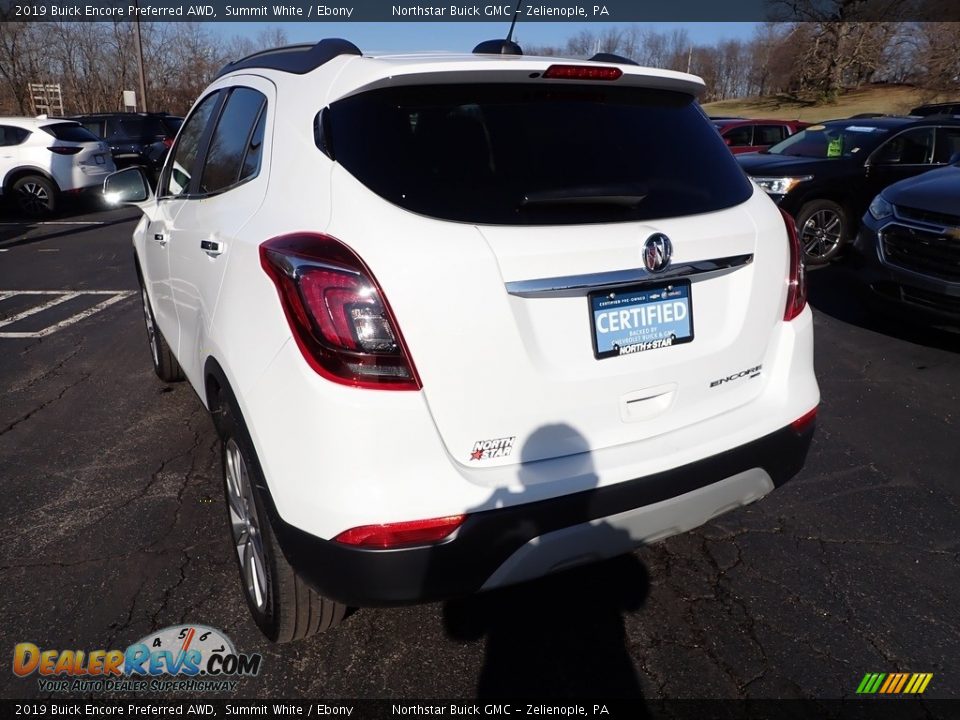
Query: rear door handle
[211, 247]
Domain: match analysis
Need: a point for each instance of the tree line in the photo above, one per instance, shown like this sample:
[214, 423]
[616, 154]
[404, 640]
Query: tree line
[806, 60]
[95, 62]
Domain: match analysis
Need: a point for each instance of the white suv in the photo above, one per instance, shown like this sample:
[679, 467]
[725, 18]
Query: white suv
[40, 158]
[464, 320]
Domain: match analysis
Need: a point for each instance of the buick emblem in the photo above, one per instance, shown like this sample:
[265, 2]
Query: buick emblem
[656, 252]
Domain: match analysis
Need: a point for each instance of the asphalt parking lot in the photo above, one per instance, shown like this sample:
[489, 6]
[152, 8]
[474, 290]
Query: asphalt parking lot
[113, 525]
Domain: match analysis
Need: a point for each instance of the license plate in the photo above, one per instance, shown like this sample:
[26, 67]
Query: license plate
[99, 159]
[641, 318]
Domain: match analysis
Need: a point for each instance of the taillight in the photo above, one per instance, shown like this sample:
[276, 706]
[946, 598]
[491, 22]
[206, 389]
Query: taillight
[797, 278]
[401, 534]
[65, 149]
[582, 72]
[337, 312]
[804, 421]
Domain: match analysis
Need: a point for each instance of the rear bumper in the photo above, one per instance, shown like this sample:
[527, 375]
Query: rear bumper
[503, 546]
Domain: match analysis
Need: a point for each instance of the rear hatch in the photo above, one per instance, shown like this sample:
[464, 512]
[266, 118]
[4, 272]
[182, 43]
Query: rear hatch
[509, 230]
[73, 143]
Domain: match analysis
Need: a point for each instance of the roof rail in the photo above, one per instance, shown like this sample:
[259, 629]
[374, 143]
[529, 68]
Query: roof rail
[497, 47]
[297, 59]
[611, 58]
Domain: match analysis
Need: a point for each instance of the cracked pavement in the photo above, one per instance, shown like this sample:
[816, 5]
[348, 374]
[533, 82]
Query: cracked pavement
[113, 526]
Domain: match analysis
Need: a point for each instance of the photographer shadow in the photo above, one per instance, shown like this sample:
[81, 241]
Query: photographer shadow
[563, 635]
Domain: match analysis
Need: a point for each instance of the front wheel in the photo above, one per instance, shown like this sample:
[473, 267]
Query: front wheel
[165, 365]
[823, 228]
[283, 606]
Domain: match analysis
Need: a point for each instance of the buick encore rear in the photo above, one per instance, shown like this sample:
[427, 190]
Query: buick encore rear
[465, 320]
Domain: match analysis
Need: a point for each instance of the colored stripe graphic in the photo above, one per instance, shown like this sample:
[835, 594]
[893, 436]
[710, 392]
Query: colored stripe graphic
[888, 685]
[894, 683]
[903, 680]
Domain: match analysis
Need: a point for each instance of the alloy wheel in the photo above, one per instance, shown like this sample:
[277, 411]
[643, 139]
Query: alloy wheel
[821, 234]
[245, 525]
[151, 328]
[33, 197]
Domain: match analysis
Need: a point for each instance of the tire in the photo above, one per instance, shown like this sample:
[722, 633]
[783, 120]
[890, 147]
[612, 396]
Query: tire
[824, 229]
[165, 365]
[35, 195]
[283, 606]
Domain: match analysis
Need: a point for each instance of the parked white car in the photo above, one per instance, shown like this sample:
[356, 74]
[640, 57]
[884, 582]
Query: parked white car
[42, 158]
[465, 320]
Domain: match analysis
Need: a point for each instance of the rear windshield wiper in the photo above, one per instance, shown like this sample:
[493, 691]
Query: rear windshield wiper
[622, 195]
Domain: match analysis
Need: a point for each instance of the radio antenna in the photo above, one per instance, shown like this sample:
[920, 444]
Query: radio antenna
[502, 47]
[513, 22]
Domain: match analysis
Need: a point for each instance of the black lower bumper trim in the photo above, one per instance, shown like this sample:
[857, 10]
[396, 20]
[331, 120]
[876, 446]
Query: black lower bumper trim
[486, 539]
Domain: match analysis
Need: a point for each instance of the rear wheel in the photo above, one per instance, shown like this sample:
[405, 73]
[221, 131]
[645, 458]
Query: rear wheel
[284, 607]
[823, 229]
[34, 195]
[165, 365]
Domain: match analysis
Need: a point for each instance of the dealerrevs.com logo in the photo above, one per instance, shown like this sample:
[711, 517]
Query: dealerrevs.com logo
[178, 658]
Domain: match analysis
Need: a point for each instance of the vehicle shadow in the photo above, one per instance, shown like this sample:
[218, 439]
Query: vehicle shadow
[562, 636]
[835, 291]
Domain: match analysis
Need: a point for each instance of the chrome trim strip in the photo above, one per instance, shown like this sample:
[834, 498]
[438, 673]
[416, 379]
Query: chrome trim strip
[578, 285]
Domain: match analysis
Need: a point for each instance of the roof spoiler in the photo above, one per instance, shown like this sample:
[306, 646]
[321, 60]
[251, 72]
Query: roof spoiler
[297, 59]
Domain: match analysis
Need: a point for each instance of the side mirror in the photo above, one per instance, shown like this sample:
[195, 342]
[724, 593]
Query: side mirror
[954, 159]
[127, 187]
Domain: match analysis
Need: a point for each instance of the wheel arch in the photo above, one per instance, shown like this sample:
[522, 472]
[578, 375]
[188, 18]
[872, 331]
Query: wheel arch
[23, 171]
[216, 385]
[845, 199]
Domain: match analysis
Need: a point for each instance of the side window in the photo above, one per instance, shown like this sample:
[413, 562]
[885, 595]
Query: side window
[913, 147]
[739, 136]
[112, 128]
[948, 144]
[12, 135]
[235, 148]
[251, 160]
[179, 170]
[768, 134]
[94, 127]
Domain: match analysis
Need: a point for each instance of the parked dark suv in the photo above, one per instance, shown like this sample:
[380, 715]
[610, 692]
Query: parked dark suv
[908, 249]
[826, 175]
[946, 108]
[134, 138]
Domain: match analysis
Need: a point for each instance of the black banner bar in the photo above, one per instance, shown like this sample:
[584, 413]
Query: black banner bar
[580, 11]
[876, 708]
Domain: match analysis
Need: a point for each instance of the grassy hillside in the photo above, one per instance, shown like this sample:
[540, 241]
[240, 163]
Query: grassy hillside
[888, 99]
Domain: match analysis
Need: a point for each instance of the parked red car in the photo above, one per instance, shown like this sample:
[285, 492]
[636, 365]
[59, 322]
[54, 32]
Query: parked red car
[744, 135]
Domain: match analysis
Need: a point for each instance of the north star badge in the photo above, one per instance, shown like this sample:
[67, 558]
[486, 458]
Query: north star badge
[487, 449]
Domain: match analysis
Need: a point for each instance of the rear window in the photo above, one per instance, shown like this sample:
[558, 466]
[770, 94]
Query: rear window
[141, 128]
[71, 132]
[526, 155]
